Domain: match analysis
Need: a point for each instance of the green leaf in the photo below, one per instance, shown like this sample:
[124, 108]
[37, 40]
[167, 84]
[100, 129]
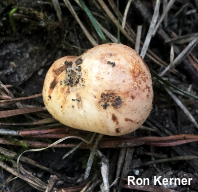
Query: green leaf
[93, 21]
[12, 22]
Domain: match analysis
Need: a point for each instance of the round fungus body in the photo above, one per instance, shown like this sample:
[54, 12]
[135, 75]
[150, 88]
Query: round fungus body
[107, 90]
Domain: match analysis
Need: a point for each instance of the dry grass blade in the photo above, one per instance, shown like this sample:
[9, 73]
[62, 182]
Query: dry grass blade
[183, 39]
[91, 157]
[125, 13]
[120, 161]
[111, 16]
[24, 159]
[163, 15]
[91, 39]
[138, 38]
[131, 33]
[104, 170]
[30, 181]
[166, 16]
[127, 163]
[184, 109]
[108, 34]
[180, 57]
[151, 29]
[58, 11]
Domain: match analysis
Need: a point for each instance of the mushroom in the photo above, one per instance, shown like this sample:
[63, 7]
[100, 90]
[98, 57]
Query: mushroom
[107, 90]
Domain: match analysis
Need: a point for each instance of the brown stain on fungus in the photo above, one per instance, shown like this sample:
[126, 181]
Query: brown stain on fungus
[127, 119]
[115, 119]
[133, 121]
[79, 61]
[136, 71]
[132, 97]
[117, 130]
[59, 70]
[53, 84]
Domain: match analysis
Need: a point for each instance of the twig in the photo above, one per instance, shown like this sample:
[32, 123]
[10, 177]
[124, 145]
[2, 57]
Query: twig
[14, 112]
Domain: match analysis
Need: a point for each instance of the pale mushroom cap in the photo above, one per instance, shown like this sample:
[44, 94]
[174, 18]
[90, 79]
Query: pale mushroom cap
[106, 90]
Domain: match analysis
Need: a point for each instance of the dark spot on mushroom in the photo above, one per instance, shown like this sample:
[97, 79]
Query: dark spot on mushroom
[72, 106]
[110, 54]
[127, 119]
[79, 61]
[109, 43]
[117, 130]
[68, 63]
[110, 98]
[117, 102]
[115, 119]
[61, 106]
[105, 105]
[72, 75]
[132, 97]
[61, 82]
[53, 84]
[49, 96]
[59, 70]
[111, 63]
[94, 96]
[79, 68]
